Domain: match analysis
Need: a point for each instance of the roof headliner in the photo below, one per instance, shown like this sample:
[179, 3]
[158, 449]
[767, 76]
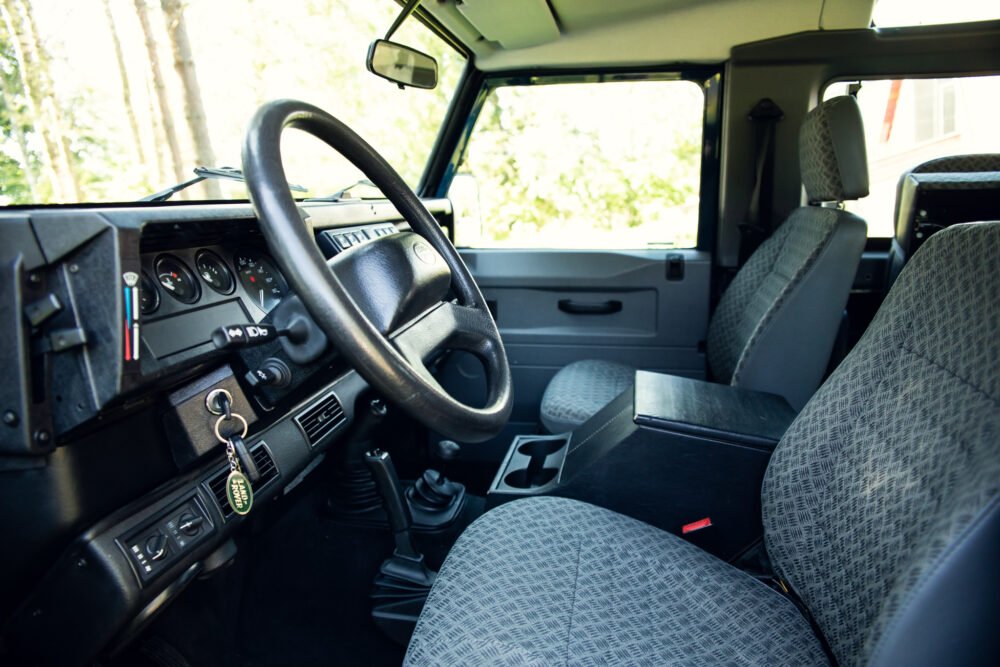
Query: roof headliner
[522, 34]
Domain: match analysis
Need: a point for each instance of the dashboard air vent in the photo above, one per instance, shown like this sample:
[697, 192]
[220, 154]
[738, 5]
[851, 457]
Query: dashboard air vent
[321, 419]
[265, 464]
[268, 473]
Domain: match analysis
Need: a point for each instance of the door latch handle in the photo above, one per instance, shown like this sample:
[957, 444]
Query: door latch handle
[590, 307]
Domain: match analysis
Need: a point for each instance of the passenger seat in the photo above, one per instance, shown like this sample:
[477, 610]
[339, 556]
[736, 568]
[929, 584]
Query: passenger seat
[775, 325]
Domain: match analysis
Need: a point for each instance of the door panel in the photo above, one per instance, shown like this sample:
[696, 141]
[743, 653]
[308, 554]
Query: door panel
[656, 323]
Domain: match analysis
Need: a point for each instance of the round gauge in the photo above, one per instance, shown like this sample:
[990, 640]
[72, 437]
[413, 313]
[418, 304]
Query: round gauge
[214, 271]
[176, 278]
[149, 297]
[260, 278]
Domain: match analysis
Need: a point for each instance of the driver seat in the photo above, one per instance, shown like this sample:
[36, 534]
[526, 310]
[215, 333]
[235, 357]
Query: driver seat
[881, 510]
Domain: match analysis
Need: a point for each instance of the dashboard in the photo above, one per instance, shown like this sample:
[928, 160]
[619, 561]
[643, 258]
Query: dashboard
[111, 450]
[213, 275]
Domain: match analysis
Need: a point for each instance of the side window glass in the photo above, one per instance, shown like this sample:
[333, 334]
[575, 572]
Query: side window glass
[583, 165]
[911, 121]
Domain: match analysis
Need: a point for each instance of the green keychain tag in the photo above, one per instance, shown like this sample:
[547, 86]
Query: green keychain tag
[239, 492]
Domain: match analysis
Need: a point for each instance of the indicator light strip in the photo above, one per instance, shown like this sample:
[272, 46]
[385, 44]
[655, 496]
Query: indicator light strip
[135, 323]
[128, 323]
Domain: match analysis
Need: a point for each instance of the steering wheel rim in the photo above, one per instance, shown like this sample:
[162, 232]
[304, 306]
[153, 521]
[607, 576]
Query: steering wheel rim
[391, 361]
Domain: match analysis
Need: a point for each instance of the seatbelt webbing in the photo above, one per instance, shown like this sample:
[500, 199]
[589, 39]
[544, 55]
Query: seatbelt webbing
[756, 225]
[782, 587]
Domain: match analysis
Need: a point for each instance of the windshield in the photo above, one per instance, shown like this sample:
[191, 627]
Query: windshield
[111, 100]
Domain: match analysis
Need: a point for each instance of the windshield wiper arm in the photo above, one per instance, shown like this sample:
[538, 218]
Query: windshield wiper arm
[205, 173]
[344, 193]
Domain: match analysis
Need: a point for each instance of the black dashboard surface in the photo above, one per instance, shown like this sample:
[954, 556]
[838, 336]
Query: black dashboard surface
[110, 367]
[78, 274]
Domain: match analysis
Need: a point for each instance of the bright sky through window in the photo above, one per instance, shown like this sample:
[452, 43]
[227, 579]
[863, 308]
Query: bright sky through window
[893, 13]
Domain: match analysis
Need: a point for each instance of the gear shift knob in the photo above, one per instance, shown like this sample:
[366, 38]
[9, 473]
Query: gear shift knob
[446, 450]
[433, 497]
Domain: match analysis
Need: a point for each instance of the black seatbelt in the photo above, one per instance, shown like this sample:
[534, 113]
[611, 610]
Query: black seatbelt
[756, 226]
[754, 561]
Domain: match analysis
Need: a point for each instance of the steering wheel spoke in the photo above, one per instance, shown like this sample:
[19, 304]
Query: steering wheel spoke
[447, 326]
[373, 290]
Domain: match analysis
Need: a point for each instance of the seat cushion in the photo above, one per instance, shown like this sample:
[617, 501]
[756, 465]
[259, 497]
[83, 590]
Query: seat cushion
[580, 389]
[552, 581]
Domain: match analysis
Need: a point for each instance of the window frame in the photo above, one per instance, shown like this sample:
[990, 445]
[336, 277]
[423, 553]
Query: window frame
[475, 88]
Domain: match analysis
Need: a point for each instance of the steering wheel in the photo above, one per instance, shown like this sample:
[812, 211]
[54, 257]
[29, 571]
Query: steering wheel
[388, 305]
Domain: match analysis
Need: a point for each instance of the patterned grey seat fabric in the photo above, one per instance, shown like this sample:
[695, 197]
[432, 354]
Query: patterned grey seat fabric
[775, 325]
[580, 389]
[969, 162]
[894, 465]
[551, 581]
[881, 510]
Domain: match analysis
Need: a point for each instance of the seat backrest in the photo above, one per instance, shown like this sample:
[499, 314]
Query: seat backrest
[959, 163]
[776, 324]
[882, 501]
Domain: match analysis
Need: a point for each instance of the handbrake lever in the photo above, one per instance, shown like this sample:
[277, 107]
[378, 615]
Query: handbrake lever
[391, 491]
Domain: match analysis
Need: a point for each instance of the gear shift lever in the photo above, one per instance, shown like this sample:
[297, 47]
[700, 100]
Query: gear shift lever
[444, 451]
[433, 491]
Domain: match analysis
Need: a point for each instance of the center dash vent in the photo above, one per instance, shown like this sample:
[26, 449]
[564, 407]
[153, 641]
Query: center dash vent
[321, 419]
[265, 465]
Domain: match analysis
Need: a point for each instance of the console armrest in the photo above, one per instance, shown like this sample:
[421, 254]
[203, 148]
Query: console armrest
[669, 452]
[709, 410]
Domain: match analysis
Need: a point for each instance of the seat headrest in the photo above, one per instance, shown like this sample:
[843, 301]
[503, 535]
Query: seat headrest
[959, 163]
[832, 156]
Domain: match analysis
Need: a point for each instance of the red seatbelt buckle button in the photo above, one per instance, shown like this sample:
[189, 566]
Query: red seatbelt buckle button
[696, 525]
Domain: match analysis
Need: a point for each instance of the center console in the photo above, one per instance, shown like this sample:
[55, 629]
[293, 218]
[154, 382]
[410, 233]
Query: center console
[684, 455]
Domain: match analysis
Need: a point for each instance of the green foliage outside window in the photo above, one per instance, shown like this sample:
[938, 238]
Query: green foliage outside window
[585, 165]
[79, 124]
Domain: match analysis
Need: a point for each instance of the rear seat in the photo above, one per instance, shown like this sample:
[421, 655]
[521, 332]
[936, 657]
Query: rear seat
[940, 193]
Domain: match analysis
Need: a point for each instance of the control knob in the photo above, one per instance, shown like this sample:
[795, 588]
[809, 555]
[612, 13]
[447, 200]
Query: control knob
[156, 546]
[189, 523]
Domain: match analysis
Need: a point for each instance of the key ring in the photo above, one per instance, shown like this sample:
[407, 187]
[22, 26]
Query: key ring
[237, 416]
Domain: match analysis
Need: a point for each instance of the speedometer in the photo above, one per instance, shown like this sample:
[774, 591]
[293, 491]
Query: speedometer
[260, 278]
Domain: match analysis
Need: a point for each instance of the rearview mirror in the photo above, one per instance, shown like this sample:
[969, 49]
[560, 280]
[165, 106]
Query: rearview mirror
[401, 64]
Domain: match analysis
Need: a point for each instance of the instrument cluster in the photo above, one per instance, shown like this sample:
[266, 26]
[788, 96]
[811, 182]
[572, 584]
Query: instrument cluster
[172, 280]
[185, 294]
[196, 279]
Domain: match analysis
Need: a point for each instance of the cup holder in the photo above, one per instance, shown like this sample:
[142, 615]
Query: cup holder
[530, 477]
[533, 466]
[542, 448]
